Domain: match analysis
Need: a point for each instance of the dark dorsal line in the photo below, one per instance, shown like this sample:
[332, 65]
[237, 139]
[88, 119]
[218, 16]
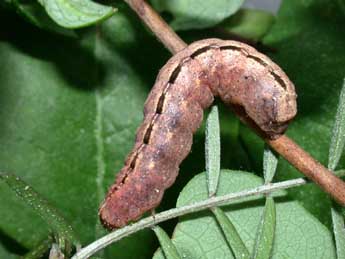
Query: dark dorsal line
[175, 73]
[200, 51]
[278, 79]
[257, 59]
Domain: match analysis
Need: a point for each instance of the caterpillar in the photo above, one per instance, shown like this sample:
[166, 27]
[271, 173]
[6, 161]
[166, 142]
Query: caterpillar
[239, 75]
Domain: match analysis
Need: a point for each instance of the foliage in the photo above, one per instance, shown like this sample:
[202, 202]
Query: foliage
[298, 233]
[71, 101]
[193, 14]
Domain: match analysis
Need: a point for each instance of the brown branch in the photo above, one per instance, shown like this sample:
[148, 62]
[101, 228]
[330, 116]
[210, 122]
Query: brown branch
[288, 149]
[311, 168]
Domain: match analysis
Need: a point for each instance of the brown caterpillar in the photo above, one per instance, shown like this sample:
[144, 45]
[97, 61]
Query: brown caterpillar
[237, 73]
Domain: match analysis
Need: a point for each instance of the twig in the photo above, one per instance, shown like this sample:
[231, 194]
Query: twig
[176, 212]
[311, 168]
[283, 145]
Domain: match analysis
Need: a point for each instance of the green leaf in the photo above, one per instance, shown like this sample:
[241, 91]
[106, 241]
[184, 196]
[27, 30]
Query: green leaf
[341, 4]
[308, 29]
[249, 23]
[266, 232]
[270, 164]
[212, 150]
[48, 94]
[167, 246]
[339, 231]
[335, 151]
[41, 249]
[76, 13]
[236, 244]
[35, 14]
[298, 234]
[340, 173]
[4, 253]
[69, 112]
[49, 214]
[338, 133]
[196, 14]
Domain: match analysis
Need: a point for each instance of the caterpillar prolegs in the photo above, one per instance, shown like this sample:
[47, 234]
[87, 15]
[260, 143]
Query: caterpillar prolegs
[238, 74]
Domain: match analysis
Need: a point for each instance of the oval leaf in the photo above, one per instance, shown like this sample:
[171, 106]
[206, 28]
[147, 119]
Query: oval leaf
[196, 14]
[212, 150]
[249, 24]
[76, 13]
[299, 235]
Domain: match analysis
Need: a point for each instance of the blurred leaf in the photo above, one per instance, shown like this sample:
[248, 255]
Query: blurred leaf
[270, 164]
[212, 150]
[308, 29]
[69, 112]
[6, 254]
[5, 3]
[230, 233]
[338, 133]
[33, 12]
[167, 246]
[340, 173]
[41, 249]
[249, 24]
[76, 13]
[49, 214]
[196, 14]
[341, 4]
[298, 234]
[266, 232]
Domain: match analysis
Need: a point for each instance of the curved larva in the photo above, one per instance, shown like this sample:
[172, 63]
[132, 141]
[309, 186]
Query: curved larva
[238, 74]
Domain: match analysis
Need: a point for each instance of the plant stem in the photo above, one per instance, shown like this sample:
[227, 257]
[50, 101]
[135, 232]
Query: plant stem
[283, 145]
[176, 212]
[311, 168]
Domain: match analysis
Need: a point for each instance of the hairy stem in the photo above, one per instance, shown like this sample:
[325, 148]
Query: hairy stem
[176, 212]
[299, 158]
